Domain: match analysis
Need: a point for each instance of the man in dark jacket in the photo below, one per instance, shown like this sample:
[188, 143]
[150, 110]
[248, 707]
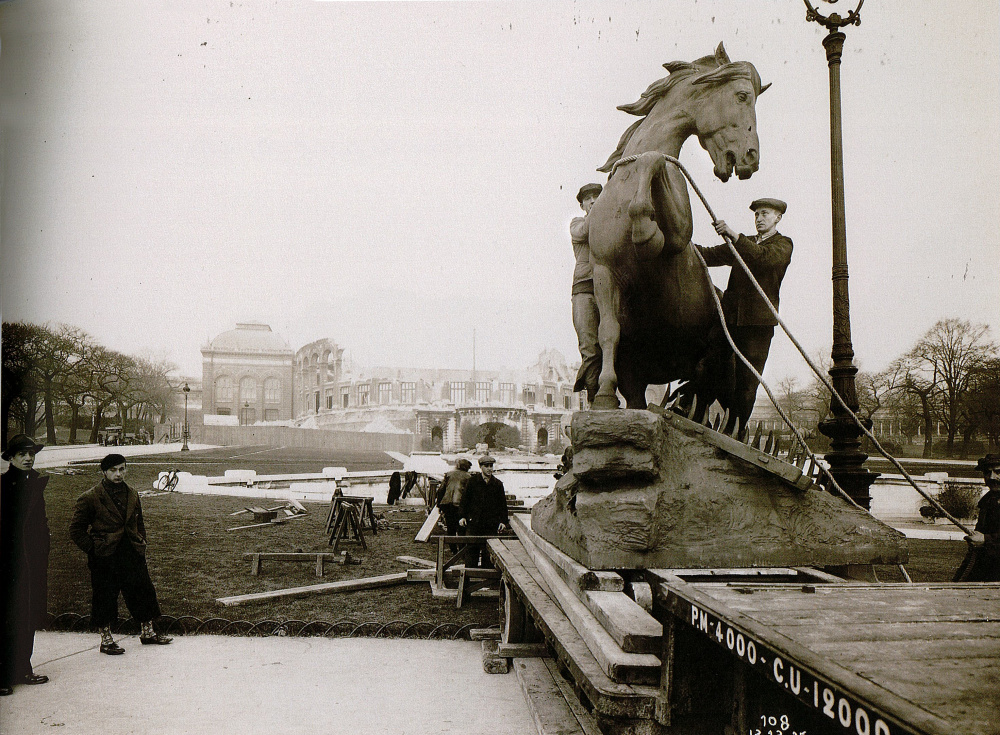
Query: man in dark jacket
[748, 317]
[450, 494]
[24, 563]
[984, 542]
[484, 508]
[107, 525]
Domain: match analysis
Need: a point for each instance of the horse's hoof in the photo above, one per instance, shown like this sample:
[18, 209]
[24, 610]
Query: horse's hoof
[605, 403]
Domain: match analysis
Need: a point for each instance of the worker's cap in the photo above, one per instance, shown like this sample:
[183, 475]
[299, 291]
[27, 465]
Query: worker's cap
[486, 460]
[776, 204]
[588, 190]
[19, 443]
[112, 460]
[989, 462]
[463, 464]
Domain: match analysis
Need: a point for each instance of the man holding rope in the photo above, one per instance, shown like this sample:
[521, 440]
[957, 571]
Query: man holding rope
[982, 564]
[750, 321]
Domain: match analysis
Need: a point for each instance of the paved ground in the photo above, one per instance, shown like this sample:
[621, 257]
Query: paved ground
[281, 686]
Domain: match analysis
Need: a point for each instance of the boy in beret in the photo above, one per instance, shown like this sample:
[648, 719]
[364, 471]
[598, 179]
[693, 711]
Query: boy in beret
[24, 562]
[585, 314]
[750, 321]
[107, 526]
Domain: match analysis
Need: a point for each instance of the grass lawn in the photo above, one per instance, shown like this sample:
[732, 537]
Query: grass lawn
[193, 559]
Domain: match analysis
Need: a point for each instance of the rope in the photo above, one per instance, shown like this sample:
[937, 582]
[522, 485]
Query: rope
[798, 346]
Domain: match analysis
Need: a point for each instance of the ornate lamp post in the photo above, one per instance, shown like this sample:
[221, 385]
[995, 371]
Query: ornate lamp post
[186, 434]
[845, 457]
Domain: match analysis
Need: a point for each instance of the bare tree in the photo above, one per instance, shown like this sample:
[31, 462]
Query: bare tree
[983, 404]
[946, 357]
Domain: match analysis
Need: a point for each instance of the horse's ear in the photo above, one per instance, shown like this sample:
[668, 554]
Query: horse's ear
[721, 56]
[672, 66]
[763, 89]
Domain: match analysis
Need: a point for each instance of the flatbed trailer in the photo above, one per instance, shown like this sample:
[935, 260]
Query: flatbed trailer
[777, 652]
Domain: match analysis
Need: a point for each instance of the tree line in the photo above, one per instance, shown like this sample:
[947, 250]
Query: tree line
[949, 378]
[59, 375]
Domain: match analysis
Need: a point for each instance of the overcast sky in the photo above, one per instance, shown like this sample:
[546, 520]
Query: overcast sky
[395, 175]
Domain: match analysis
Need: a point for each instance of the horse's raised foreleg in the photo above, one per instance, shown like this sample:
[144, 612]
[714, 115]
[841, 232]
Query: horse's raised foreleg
[660, 210]
[646, 234]
[608, 333]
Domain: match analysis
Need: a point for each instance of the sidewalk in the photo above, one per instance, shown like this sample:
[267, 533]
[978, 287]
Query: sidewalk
[219, 684]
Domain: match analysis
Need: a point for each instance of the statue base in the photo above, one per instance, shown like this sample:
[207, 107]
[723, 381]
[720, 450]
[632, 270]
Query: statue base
[655, 490]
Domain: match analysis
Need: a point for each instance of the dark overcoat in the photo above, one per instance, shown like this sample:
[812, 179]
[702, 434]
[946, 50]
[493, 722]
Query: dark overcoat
[986, 567]
[24, 549]
[98, 526]
[484, 505]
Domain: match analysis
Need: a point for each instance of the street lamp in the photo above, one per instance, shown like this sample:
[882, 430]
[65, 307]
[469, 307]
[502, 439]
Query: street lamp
[186, 434]
[246, 413]
[845, 457]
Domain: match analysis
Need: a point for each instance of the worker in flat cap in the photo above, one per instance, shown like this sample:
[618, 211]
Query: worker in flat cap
[586, 317]
[484, 509]
[24, 562]
[749, 319]
[107, 525]
[982, 563]
[449, 497]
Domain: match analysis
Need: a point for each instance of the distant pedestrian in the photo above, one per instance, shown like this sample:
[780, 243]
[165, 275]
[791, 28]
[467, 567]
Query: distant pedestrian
[484, 508]
[107, 525]
[395, 487]
[982, 564]
[449, 497]
[24, 563]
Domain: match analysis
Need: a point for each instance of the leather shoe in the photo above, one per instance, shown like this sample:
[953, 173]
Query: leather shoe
[112, 649]
[35, 679]
[157, 640]
[6, 691]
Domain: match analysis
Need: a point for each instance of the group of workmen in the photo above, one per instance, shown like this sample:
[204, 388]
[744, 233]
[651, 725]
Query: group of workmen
[107, 525]
[473, 504]
[749, 319]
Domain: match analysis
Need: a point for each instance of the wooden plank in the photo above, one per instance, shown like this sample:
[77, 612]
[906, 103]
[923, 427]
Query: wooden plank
[632, 628]
[416, 560]
[430, 575]
[347, 585]
[575, 574]
[523, 650]
[293, 555]
[484, 634]
[429, 525]
[586, 720]
[640, 668]
[549, 709]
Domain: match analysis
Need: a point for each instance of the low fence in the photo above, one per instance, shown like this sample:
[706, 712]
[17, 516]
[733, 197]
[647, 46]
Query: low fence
[293, 436]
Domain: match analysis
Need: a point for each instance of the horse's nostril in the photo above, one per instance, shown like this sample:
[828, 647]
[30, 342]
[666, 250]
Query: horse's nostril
[752, 156]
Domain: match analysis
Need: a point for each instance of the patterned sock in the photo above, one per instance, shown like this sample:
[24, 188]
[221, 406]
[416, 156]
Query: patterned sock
[147, 630]
[106, 638]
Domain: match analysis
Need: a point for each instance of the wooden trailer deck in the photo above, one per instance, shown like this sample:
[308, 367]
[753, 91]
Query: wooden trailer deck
[871, 659]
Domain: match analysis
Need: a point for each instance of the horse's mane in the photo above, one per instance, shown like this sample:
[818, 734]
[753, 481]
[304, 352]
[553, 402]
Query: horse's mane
[711, 70]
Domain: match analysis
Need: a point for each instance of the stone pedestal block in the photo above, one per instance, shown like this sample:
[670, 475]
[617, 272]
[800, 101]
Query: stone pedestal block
[649, 493]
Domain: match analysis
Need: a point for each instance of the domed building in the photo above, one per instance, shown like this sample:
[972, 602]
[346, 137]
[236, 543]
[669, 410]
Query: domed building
[247, 373]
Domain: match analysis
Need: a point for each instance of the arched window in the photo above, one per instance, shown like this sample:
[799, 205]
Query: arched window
[543, 437]
[223, 389]
[248, 390]
[272, 390]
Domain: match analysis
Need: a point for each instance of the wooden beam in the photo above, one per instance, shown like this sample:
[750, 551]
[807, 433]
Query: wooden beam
[634, 629]
[416, 560]
[573, 573]
[347, 585]
[523, 650]
[428, 528]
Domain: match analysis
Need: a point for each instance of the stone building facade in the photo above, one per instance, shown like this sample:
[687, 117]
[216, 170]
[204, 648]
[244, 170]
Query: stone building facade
[442, 407]
[247, 372]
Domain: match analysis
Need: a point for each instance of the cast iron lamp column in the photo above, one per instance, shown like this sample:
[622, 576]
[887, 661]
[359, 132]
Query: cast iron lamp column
[186, 434]
[845, 457]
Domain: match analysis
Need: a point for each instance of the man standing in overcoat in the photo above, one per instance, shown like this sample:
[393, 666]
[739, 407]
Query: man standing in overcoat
[450, 494]
[24, 563]
[750, 321]
[107, 525]
[484, 508]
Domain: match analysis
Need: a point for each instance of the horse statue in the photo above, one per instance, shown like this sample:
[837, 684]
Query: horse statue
[655, 303]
